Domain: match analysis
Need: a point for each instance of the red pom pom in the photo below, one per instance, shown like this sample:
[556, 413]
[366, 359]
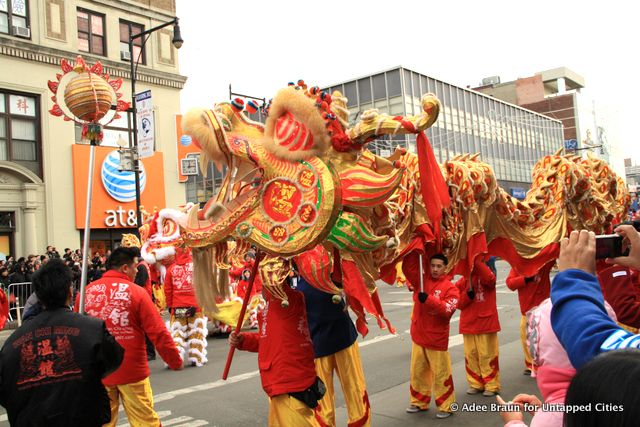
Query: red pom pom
[237, 104]
[252, 107]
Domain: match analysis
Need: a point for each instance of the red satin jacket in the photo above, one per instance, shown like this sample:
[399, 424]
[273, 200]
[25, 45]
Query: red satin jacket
[533, 293]
[178, 282]
[480, 315]
[620, 292]
[129, 314]
[285, 350]
[430, 320]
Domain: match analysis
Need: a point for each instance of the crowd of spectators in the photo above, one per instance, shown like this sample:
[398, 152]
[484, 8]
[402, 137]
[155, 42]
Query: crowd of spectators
[21, 270]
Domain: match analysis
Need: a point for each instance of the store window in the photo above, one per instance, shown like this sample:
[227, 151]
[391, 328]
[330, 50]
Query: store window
[20, 130]
[128, 29]
[91, 35]
[14, 18]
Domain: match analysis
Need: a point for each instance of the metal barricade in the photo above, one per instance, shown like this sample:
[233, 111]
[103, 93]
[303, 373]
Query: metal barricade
[21, 292]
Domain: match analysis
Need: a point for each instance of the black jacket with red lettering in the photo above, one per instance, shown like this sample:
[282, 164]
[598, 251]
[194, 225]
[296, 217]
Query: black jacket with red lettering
[52, 367]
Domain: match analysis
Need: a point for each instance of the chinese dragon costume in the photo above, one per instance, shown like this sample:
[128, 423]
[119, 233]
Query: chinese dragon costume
[304, 189]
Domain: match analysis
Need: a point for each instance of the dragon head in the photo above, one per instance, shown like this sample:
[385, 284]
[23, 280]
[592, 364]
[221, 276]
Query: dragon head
[303, 178]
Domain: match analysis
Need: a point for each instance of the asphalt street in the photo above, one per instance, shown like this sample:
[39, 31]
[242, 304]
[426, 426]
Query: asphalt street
[198, 397]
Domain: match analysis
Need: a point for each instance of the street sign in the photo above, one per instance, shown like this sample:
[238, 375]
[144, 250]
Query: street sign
[518, 192]
[570, 144]
[146, 125]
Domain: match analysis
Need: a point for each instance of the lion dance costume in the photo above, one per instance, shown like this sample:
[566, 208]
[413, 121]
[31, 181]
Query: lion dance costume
[188, 325]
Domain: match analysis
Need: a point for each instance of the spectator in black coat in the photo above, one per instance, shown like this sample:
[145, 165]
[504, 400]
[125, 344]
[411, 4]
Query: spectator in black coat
[52, 366]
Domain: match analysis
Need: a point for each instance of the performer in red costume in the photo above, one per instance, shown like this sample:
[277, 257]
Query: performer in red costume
[129, 314]
[188, 324]
[619, 290]
[479, 326]
[531, 292]
[285, 359]
[430, 360]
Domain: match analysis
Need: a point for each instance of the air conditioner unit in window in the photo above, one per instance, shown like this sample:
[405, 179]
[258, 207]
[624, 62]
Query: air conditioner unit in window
[125, 55]
[21, 31]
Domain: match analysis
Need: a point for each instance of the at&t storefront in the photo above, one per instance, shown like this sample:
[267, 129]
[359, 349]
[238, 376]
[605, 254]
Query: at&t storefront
[113, 205]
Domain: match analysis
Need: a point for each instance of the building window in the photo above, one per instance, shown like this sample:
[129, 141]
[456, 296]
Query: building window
[379, 89]
[364, 90]
[91, 36]
[351, 93]
[20, 130]
[118, 131]
[14, 18]
[394, 86]
[200, 189]
[128, 29]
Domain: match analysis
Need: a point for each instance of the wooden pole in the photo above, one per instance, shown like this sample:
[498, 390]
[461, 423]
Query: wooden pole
[245, 302]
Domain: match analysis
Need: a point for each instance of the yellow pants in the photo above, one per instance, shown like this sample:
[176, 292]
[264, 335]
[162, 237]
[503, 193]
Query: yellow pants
[137, 399]
[190, 336]
[481, 361]
[528, 360]
[348, 366]
[287, 411]
[431, 369]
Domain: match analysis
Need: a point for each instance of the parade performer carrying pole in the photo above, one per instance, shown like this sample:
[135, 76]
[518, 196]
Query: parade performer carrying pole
[336, 349]
[285, 353]
[245, 302]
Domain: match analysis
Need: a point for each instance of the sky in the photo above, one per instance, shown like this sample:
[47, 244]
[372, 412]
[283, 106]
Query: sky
[259, 46]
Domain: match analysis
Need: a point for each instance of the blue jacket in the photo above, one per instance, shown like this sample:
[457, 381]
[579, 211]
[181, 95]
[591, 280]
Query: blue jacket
[330, 325]
[580, 320]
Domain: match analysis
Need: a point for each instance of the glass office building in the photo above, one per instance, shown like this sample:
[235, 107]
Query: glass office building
[510, 138]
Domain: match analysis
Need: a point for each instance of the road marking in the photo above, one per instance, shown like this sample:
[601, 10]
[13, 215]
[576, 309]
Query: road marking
[377, 339]
[174, 421]
[196, 423]
[400, 303]
[455, 340]
[182, 421]
[201, 387]
[406, 292]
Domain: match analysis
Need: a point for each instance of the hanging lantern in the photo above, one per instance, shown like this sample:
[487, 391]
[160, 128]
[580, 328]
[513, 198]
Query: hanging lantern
[88, 97]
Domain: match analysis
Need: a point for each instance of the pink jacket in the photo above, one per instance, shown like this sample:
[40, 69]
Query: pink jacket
[554, 370]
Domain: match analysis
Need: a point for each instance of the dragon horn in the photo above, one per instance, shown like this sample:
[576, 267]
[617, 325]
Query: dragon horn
[339, 108]
[557, 153]
[373, 123]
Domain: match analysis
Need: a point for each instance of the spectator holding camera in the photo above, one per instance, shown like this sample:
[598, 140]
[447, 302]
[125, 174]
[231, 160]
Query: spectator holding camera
[576, 290]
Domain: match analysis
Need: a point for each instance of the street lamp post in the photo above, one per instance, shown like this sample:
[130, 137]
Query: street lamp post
[177, 43]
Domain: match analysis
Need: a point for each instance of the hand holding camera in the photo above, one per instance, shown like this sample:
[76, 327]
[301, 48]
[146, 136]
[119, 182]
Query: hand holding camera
[578, 251]
[581, 249]
[631, 243]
